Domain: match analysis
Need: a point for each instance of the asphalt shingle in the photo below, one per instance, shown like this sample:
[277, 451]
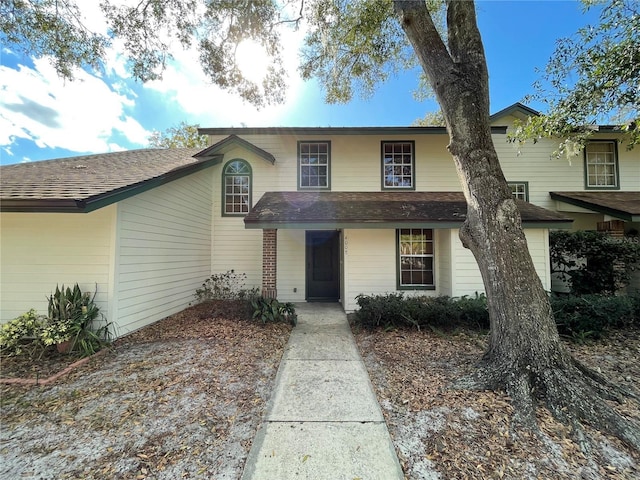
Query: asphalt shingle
[289, 208]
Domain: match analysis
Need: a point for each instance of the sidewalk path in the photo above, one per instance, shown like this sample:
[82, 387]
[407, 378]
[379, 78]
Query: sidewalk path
[323, 420]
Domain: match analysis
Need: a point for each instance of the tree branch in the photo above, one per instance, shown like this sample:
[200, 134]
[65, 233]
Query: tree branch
[417, 23]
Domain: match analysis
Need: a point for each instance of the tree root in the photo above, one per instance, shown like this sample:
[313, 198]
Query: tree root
[575, 395]
[607, 389]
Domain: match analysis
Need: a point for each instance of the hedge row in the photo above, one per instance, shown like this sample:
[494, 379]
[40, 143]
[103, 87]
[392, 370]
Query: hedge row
[577, 317]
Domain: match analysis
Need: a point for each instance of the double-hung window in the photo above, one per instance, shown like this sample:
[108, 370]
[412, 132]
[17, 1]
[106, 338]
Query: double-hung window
[313, 165]
[398, 165]
[520, 190]
[601, 164]
[236, 186]
[415, 258]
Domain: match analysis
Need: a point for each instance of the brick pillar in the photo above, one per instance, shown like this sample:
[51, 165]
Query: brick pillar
[269, 262]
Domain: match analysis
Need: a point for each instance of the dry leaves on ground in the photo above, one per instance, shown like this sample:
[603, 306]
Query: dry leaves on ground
[181, 398]
[440, 432]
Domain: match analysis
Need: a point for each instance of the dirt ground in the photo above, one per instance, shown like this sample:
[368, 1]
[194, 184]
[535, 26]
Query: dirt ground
[183, 398]
[179, 399]
[442, 433]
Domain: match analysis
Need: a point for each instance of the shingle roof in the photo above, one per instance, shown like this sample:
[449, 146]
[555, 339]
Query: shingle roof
[376, 210]
[623, 205]
[72, 184]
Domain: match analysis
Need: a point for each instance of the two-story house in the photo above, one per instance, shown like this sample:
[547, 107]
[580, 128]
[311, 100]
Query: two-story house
[307, 214]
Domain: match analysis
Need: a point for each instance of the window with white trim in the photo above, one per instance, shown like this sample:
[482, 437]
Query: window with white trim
[520, 190]
[236, 180]
[601, 164]
[313, 165]
[398, 165]
[415, 258]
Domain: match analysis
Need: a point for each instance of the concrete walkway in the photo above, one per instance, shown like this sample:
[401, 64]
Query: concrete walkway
[323, 420]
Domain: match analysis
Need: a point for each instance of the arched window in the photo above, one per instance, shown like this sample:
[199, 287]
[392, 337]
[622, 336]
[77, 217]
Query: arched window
[236, 185]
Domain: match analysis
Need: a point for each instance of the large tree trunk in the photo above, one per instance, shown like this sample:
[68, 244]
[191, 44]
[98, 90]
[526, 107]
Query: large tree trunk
[525, 355]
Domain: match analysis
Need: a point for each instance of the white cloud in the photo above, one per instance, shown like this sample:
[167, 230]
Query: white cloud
[80, 115]
[186, 85]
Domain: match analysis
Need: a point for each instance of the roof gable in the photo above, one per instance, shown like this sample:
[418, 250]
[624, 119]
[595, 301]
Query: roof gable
[518, 110]
[223, 146]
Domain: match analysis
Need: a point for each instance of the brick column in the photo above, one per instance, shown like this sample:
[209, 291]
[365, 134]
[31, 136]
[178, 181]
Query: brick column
[269, 262]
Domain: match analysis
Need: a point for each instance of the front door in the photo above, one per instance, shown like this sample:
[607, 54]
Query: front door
[323, 265]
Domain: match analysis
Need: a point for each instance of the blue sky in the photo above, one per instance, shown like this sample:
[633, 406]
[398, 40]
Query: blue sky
[43, 117]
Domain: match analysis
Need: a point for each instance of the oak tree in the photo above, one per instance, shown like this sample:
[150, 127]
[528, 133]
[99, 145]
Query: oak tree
[592, 78]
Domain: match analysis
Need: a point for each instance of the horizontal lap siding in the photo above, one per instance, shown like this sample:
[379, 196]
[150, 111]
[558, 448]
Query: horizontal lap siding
[41, 250]
[291, 265]
[538, 241]
[466, 278]
[237, 249]
[356, 163]
[444, 274]
[466, 274]
[234, 247]
[370, 264]
[164, 250]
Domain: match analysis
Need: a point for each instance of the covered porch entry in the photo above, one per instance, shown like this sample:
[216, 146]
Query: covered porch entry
[335, 246]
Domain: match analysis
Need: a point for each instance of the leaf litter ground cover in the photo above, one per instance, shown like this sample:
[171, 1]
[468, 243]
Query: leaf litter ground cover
[444, 433]
[179, 399]
[182, 399]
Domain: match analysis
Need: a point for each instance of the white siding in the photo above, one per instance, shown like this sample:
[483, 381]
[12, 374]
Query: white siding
[291, 266]
[234, 247]
[444, 277]
[355, 162]
[538, 242]
[467, 277]
[163, 251]
[369, 264]
[41, 250]
[544, 173]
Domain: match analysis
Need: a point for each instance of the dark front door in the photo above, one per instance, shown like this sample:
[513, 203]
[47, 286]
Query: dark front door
[323, 265]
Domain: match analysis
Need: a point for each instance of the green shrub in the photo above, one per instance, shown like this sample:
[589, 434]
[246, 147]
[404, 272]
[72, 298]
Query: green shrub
[225, 286]
[73, 316]
[473, 311]
[381, 310]
[593, 262]
[22, 333]
[271, 310]
[395, 310]
[589, 316]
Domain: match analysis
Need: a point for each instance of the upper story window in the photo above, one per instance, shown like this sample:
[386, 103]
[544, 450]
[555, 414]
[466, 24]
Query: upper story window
[520, 190]
[313, 165]
[415, 258]
[236, 179]
[398, 165]
[601, 164]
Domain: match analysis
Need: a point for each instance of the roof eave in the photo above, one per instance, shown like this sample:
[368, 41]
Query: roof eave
[392, 224]
[332, 131]
[613, 212]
